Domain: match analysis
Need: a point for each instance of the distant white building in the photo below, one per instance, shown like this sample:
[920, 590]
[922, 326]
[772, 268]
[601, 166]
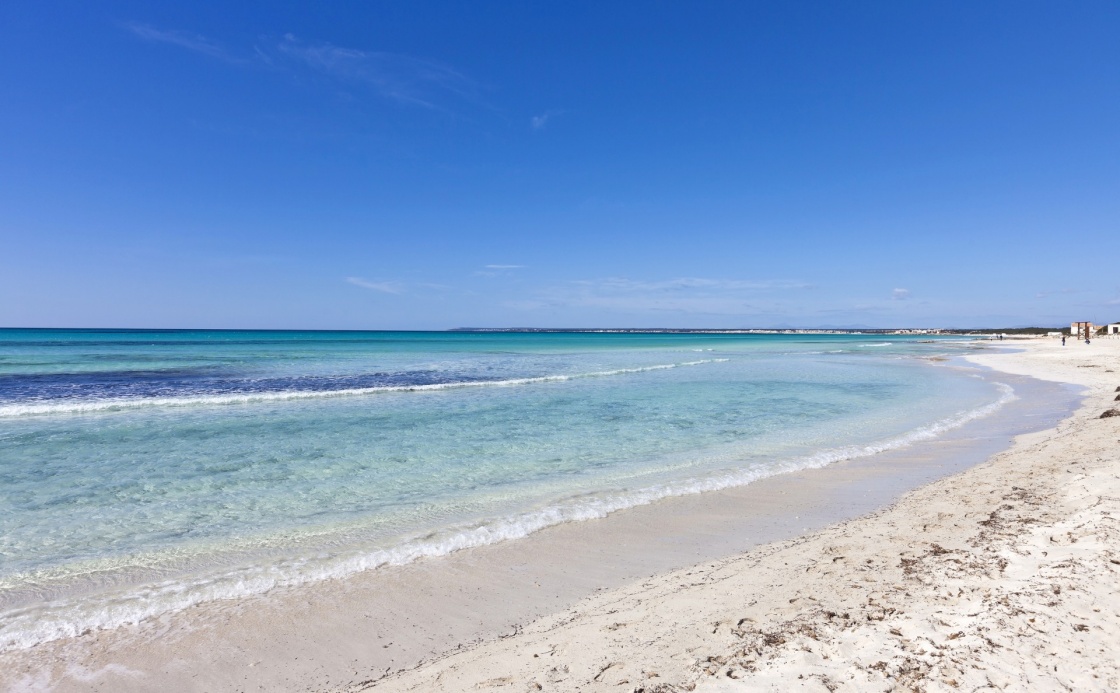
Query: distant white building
[1114, 328]
[1082, 330]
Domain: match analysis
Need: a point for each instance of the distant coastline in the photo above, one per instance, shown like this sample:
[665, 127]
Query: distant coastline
[789, 330]
[979, 331]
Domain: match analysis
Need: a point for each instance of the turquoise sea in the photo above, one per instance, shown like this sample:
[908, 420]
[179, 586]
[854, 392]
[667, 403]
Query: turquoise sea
[146, 471]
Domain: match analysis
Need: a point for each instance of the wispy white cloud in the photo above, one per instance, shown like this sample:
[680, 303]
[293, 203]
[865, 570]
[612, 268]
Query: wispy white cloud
[182, 39]
[387, 287]
[497, 270]
[247, 260]
[900, 294]
[1044, 294]
[622, 284]
[540, 122]
[402, 78]
[708, 306]
[684, 296]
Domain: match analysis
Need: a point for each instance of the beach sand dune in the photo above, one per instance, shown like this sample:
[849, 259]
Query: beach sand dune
[1006, 577]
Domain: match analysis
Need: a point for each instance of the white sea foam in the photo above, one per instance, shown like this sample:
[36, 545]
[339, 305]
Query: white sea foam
[29, 626]
[119, 404]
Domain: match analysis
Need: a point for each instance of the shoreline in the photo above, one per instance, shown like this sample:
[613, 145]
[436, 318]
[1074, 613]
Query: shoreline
[1001, 576]
[308, 615]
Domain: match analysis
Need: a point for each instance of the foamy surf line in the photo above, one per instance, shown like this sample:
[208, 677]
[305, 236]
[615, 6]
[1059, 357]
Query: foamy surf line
[110, 405]
[29, 626]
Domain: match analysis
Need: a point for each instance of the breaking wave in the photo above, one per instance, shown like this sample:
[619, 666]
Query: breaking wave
[85, 406]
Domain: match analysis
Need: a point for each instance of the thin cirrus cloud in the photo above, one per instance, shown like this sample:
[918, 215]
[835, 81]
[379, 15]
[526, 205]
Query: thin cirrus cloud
[622, 284]
[401, 78]
[1045, 294]
[497, 270]
[385, 287]
[900, 294]
[683, 296]
[192, 42]
[540, 122]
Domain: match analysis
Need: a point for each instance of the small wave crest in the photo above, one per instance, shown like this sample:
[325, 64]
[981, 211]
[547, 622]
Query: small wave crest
[27, 627]
[119, 404]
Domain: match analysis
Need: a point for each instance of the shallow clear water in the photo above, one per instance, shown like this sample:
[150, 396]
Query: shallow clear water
[146, 471]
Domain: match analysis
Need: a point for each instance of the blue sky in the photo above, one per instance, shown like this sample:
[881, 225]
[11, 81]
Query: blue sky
[423, 165]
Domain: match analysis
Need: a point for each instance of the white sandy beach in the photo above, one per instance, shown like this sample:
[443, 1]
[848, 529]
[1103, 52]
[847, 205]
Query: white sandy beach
[1003, 575]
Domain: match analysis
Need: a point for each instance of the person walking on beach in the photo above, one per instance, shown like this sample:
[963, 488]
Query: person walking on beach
[1063, 340]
